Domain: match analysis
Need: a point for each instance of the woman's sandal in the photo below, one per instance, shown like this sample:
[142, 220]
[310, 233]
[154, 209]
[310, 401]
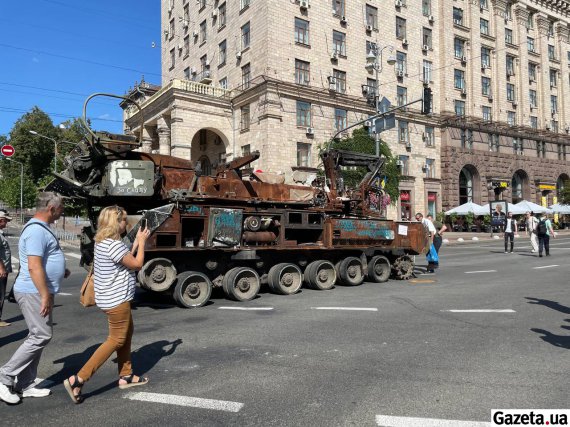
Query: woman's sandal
[76, 398]
[130, 381]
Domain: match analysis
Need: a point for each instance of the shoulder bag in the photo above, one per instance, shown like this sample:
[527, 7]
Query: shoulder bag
[87, 294]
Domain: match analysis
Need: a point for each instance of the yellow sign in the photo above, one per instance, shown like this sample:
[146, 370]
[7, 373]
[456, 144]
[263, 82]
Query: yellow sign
[546, 187]
[554, 201]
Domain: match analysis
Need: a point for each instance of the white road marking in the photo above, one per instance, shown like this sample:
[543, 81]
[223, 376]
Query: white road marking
[15, 260]
[481, 271]
[345, 308]
[501, 310]
[246, 308]
[73, 255]
[65, 294]
[388, 421]
[545, 266]
[195, 402]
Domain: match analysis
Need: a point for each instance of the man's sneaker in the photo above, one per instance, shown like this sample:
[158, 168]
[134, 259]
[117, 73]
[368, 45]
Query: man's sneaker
[2, 323]
[7, 395]
[533, 251]
[36, 392]
[506, 252]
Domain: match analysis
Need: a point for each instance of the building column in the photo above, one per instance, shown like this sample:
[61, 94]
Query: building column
[146, 140]
[563, 34]
[521, 15]
[543, 91]
[163, 136]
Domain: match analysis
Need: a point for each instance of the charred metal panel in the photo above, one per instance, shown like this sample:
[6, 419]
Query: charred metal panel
[355, 230]
[225, 227]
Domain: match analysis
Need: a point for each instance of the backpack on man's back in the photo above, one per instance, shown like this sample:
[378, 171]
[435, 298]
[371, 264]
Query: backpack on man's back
[541, 228]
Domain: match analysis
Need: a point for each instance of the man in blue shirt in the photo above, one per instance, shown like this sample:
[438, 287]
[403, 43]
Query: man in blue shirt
[42, 267]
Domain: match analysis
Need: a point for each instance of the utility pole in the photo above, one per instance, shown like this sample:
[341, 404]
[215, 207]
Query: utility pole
[21, 188]
[33, 132]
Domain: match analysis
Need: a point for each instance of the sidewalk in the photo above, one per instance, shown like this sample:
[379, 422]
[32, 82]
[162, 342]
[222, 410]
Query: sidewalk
[461, 238]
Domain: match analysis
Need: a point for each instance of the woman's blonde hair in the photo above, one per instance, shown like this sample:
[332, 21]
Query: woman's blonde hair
[109, 223]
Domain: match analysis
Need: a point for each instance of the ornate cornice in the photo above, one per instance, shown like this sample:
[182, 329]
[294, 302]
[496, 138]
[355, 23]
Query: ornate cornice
[542, 23]
[562, 31]
[522, 13]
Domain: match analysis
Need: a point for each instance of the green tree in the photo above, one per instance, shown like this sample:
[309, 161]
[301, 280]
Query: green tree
[564, 194]
[362, 142]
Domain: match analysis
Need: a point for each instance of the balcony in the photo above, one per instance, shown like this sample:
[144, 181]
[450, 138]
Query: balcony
[203, 77]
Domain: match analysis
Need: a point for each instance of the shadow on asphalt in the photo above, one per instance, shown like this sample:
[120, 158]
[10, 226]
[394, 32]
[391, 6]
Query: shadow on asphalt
[550, 304]
[562, 341]
[17, 336]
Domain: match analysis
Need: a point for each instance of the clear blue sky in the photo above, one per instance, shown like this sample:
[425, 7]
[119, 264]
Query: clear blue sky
[54, 53]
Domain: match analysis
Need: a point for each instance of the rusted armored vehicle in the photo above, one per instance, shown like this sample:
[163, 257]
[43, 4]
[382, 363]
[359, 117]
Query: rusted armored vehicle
[239, 233]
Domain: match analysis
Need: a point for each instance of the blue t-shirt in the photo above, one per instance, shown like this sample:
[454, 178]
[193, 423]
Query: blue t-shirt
[37, 241]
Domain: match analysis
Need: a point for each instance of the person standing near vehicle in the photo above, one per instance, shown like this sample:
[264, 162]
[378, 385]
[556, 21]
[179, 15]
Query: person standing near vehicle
[42, 267]
[5, 262]
[531, 223]
[432, 232]
[114, 282]
[544, 230]
[440, 229]
[510, 231]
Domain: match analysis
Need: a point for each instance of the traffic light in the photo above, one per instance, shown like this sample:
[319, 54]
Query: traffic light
[426, 100]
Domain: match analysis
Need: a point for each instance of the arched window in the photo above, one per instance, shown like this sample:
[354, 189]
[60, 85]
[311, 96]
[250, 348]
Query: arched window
[465, 186]
[206, 166]
[517, 188]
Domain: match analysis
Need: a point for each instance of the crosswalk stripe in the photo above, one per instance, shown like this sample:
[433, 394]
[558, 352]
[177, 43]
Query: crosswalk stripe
[195, 402]
[388, 421]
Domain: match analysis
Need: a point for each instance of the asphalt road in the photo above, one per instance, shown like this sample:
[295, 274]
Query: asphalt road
[295, 361]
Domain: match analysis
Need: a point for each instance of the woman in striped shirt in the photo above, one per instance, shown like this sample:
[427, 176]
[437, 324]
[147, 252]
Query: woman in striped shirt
[114, 280]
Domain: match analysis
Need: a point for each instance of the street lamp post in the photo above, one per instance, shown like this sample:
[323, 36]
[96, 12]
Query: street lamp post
[33, 132]
[374, 61]
[21, 188]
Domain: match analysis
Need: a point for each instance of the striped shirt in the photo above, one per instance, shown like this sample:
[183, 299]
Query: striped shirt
[114, 283]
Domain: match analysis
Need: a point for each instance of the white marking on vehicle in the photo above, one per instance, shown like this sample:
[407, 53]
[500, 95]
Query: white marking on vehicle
[500, 310]
[346, 308]
[195, 402]
[481, 271]
[388, 421]
[246, 308]
[546, 266]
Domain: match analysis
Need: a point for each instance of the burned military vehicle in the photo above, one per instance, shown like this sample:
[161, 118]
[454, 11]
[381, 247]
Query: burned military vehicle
[236, 232]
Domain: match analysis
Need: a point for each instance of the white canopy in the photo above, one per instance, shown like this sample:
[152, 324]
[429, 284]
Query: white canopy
[531, 207]
[465, 208]
[560, 209]
[514, 209]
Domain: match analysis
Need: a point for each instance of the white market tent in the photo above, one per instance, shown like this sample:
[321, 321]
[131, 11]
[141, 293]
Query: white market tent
[560, 209]
[514, 209]
[531, 207]
[466, 208]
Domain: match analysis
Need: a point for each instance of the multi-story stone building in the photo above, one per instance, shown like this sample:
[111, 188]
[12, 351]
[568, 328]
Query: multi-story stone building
[283, 76]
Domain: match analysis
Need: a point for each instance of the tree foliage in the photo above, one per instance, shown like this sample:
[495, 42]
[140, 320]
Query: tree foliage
[362, 142]
[564, 194]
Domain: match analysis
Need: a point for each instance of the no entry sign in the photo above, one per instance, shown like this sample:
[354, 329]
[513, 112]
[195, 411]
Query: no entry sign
[7, 150]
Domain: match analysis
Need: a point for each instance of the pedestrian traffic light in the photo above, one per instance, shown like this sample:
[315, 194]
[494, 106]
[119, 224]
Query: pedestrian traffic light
[426, 100]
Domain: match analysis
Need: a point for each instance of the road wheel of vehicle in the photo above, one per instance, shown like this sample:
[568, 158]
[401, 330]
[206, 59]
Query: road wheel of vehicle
[192, 289]
[403, 267]
[320, 275]
[350, 271]
[157, 275]
[379, 269]
[285, 278]
[241, 283]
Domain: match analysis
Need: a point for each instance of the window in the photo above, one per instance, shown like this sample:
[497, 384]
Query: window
[405, 196]
[540, 149]
[245, 117]
[509, 12]
[551, 55]
[568, 53]
[203, 31]
[485, 57]
[204, 63]
[554, 104]
[429, 136]
[303, 154]
[508, 36]
[202, 3]
[493, 142]
[222, 53]
[426, 7]
[550, 28]
[371, 85]
[186, 17]
[222, 15]
[466, 138]
[510, 92]
[532, 98]
[340, 81]
[338, 7]
[302, 72]
[457, 16]
[530, 44]
[401, 62]
[532, 72]
[459, 108]
[246, 150]
[487, 114]
[245, 36]
[187, 73]
[430, 168]
[246, 76]
[370, 47]
[485, 86]
[400, 28]
[459, 79]
[403, 133]
[534, 122]
[172, 59]
[172, 28]
[484, 26]
[530, 21]
[372, 16]
[340, 119]
[518, 146]
[510, 65]
[243, 4]
[561, 152]
[303, 114]
[427, 68]
[339, 43]
[223, 83]
[426, 37]
[552, 75]
[554, 125]
[458, 47]
[186, 46]
[511, 118]
[301, 31]
[483, 4]
[401, 95]
[405, 165]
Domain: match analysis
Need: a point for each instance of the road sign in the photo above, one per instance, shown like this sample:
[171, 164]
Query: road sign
[7, 150]
[385, 123]
[384, 105]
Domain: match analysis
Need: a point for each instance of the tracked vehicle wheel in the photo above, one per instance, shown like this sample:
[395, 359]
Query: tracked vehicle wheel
[285, 278]
[192, 289]
[350, 271]
[379, 269]
[241, 283]
[157, 275]
[320, 275]
[403, 267]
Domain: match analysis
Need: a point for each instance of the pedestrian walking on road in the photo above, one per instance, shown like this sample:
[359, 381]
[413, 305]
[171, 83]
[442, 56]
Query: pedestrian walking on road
[510, 231]
[432, 232]
[42, 267]
[544, 231]
[531, 223]
[5, 262]
[114, 280]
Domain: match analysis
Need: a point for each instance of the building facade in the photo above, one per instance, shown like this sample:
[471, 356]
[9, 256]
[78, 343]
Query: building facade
[283, 77]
